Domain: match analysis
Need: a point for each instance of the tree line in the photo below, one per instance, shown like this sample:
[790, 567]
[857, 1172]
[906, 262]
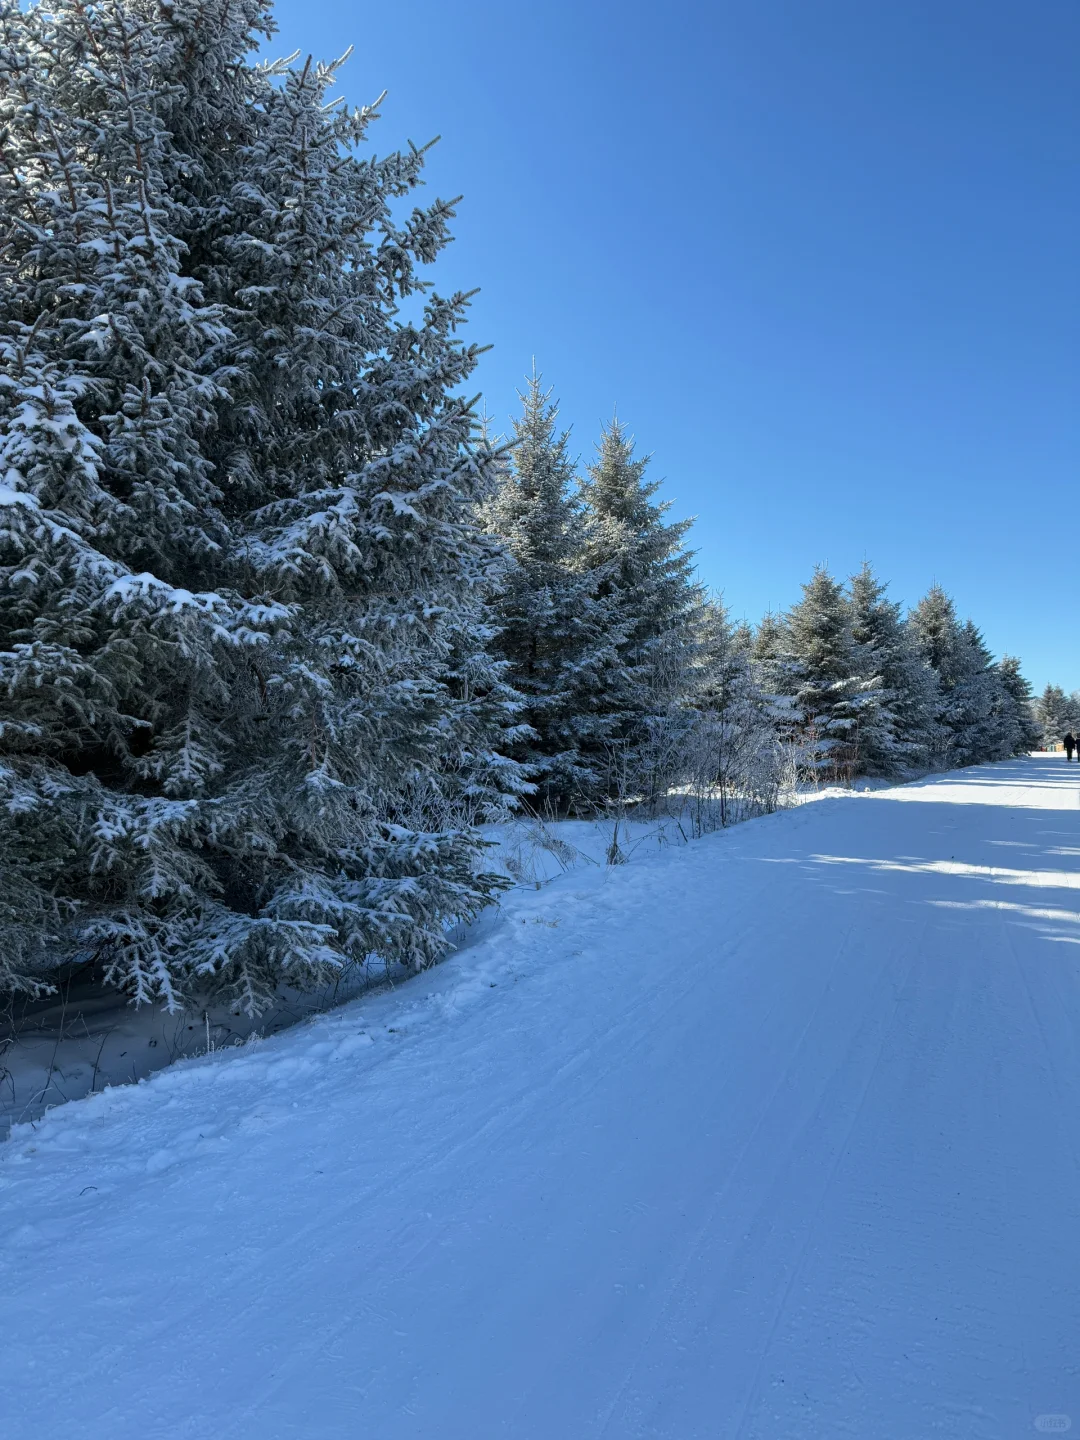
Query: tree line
[624, 664]
[1058, 713]
[279, 627]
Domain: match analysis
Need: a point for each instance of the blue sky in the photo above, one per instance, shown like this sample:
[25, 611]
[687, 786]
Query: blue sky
[825, 258]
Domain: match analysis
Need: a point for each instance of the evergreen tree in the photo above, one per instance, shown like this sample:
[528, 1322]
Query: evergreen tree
[1024, 730]
[722, 671]
[237, 557]
[989, 728]
[646, 577]
[897, 720]
[476, 780]
[559, 632]
[1056, 713]
[969, 711]
[934, 627]
[823, 675]
[740, 731]
[772, 665]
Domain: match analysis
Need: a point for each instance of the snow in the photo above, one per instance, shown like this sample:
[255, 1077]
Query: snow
[81, 1040]
[770, 1135]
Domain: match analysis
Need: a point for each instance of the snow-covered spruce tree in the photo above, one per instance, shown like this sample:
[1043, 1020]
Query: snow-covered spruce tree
[984, 724]
[999, 701]
[736, 746]
[560, 636]
[724, 655]
[646, 579]
[476, 779]
[1024, 729]
[771, 659]
[969, 712]
[1057, 714]
[237, 550]
[823, 677]
[896, 724]
[935, 629]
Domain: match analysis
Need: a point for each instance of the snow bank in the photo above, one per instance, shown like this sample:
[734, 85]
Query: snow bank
[82, 1041]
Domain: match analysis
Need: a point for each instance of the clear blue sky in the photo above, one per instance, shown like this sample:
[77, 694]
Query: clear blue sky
[824, 256]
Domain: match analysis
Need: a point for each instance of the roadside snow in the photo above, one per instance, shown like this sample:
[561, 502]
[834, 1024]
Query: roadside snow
[82, 1040]
[772, 1135]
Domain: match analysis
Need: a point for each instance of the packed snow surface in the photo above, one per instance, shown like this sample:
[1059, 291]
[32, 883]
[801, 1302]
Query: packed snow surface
[773, 1135]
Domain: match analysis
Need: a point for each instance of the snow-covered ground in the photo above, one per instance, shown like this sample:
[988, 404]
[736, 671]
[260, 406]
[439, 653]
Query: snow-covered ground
[83, 1039]
[770, 1135]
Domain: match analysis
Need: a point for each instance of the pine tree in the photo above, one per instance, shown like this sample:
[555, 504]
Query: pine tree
[823, 678]
[560, 635]
[897, 715]
[237, 554]
[646, 577]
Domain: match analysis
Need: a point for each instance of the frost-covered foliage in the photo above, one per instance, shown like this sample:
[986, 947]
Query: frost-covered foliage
[646, 579]
[980, 714]
[862, 690]
[715, 757]
[897, 721]
[598, 614]
[772, 664]
[261, 669]
[822, 676]
[637, 687]
[1024, 732]
[739, 750]
[560, 633]
[249, 707]
[1057, 714]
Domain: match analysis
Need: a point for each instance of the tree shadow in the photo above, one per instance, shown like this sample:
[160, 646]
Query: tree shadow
[1010, 860]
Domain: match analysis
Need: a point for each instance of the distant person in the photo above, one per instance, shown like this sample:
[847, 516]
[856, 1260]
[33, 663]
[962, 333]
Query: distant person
[1070, 745]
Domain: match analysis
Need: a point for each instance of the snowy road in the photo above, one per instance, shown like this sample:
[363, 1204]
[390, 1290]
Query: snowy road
[773, 1136]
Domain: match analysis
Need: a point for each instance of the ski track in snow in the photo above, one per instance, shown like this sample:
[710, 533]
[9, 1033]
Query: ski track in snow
[771, 1136]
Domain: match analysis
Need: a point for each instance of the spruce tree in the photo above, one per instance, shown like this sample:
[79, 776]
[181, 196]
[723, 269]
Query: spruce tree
[1054, 714]
[724, 654]
[1024, 730]
[237, 555]
[987, 722]
[934, 627]
[560, 636]
[771, 660]
[897, 716]
[646, 577]
[823, 676]
[740, 732]
[969, 715]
